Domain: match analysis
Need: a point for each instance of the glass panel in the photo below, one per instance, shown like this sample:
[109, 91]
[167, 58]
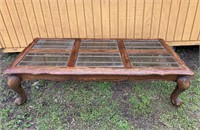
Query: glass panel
[98, 44]
[143, 44]
[45, 59]
[54, 44]
[152, 60]
[99, 59]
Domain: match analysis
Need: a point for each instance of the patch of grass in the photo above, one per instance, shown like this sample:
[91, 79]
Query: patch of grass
[99, 105]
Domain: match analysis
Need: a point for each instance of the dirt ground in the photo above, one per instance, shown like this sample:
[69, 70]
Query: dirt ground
[189, 54]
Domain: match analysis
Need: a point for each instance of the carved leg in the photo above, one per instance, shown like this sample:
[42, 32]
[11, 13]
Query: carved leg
[183, 83]
[14, 83]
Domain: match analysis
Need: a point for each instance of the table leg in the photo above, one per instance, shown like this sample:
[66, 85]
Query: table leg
[14, 83]
[183, 83]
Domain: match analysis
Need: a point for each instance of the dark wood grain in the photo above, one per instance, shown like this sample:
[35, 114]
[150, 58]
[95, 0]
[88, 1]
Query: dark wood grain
[96, 77]
[124, 55]
[74, 53]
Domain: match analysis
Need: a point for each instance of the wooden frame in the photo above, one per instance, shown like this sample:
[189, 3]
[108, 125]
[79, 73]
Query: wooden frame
[178, 74]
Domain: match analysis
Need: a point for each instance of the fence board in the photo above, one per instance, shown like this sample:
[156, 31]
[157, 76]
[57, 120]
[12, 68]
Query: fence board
[164, 18]
[114, 18]
[196, 25]
[80, 18]
[7, 29]
[89, 18]
[1, 41]
[181, 19]
[11, 6]
[72, 18]
[6, 39]
[147, 19]
[105, 4]
[139, 18]
[190, 19]
[31, 18]
[130, 19]
[122, 18]
[156, 18]
[46, 9]
[39, 18]
[97, 19]
[55, 10]
[24, 21]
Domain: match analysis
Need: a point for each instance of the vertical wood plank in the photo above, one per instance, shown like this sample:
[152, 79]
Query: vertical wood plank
[122, 18]
[139, 18]
[72, 18]
[147, 19]
[173, 19]
[166, 9]
[130, 18]
[1, 41]
[97, 19]
[89, 18]
[196, 25]
[114, 18]
[80, 18]
[181, 20]
[48, 18]
[7, 29]
[31, 17]
[199, 35]
[56, 18]
[24, 20]
[105, 18]
[3, 45]
[39, 18]
[6, 40]
[189, 21]
[156, 18]
[65, 19]
[16, 23]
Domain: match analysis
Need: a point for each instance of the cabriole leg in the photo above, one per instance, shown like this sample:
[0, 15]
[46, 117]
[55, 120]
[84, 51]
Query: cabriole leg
[14, 83]
[183, 83]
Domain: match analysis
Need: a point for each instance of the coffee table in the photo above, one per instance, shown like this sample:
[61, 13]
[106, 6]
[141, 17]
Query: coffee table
[98, 59]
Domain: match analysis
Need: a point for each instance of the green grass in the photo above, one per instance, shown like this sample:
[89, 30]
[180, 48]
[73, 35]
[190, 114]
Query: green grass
[99, 105]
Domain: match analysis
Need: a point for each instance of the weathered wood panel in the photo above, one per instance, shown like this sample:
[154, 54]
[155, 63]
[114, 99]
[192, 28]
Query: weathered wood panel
[176, 21]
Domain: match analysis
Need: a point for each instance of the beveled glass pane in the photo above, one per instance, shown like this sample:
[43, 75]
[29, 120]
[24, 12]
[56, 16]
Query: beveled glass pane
[99, 59]
[152, 60]
[45, 59]
[54, 44]
[143, 44]
[98, 44]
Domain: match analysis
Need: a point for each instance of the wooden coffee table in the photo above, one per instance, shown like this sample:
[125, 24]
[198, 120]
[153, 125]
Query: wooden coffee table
[98, 59]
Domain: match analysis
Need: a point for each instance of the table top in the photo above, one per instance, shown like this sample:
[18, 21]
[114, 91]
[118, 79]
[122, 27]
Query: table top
[98, 57]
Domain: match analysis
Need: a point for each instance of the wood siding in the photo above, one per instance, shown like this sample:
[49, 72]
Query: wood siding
[176, 21]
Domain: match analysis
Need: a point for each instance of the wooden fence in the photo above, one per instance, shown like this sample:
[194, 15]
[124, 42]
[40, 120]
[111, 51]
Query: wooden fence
[176, 21]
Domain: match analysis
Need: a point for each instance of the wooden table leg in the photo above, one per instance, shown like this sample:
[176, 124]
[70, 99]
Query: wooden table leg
[14, 83]
[183, 83]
